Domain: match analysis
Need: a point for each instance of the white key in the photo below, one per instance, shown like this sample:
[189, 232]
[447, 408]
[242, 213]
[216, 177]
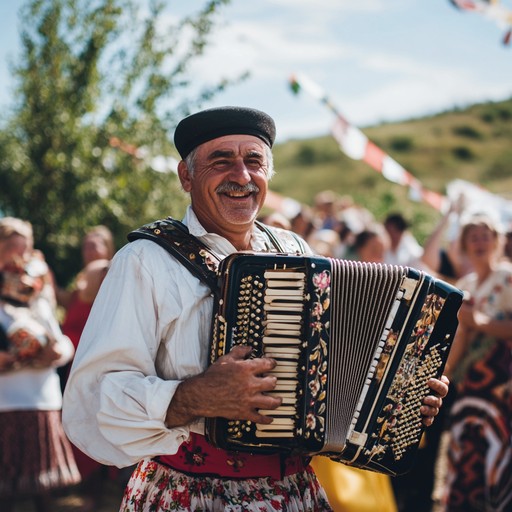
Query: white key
[277, 274]
[264, 434]
[277, 424]
[268, 340]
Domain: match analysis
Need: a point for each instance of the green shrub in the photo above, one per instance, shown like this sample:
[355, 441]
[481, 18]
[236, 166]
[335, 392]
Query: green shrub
[402, 143]
[467, 131]
[463, 153]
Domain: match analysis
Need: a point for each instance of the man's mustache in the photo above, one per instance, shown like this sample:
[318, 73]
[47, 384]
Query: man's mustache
[226, 188]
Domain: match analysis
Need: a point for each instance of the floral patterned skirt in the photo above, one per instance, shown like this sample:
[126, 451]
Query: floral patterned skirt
[154, 487]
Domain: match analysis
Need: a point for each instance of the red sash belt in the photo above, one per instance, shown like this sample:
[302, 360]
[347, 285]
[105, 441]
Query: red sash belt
[197, 456]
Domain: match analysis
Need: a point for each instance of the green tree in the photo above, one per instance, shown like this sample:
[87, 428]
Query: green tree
[100, 86]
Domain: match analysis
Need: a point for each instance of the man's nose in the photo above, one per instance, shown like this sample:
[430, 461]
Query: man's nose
[239, 172]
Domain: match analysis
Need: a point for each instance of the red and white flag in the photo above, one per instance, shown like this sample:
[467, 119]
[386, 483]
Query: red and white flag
[355, 144]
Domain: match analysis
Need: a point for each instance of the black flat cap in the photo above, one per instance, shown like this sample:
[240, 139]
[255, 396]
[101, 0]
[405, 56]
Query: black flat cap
[216, 122]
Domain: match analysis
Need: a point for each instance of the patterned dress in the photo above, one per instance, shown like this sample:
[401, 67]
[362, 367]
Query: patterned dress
[155, 487]
[480, 450]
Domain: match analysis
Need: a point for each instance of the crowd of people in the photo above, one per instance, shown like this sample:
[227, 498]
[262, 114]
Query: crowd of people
[140, 387]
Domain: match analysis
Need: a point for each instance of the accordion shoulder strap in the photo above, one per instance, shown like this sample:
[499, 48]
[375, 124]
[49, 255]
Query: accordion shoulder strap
[294, 243]
[196, 256]
[175, 237]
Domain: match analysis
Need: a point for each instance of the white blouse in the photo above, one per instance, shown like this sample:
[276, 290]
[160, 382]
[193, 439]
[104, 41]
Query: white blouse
[37, 388]
[148, 330]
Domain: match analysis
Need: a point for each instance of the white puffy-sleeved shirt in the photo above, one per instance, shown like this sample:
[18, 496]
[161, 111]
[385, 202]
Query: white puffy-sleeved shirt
[148, 330]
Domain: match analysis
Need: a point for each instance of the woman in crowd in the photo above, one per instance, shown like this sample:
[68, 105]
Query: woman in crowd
[480, 365]
[97, 244]
[94, 474]
[87, 284]
[97, 251]
[35, 455]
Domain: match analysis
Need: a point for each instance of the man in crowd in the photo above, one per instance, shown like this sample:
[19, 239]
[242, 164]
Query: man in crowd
[141, 386]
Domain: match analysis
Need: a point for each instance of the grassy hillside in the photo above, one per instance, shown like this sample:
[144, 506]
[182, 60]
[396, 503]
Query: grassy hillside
[473, 144]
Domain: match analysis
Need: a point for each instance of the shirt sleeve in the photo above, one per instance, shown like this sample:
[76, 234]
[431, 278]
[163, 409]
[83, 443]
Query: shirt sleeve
[115, 401]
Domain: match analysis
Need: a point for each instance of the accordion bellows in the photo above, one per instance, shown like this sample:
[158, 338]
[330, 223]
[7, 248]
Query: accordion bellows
[355, 344]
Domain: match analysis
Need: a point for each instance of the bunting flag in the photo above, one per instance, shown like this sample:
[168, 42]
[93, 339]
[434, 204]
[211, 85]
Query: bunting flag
[159, 163]
[492, 9]
[355, 144]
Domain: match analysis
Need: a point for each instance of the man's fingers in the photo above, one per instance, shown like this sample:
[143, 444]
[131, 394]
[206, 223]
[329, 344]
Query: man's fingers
[439, 386]
[428, 420]
[239, 352]
[433, 401]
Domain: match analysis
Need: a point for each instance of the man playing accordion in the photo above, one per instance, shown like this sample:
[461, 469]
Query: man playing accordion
[141, 386]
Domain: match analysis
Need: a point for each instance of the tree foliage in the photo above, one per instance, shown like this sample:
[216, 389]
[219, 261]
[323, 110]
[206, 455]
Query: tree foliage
[100, 87]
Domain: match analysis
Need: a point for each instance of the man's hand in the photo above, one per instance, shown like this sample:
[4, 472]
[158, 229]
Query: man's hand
[432, 403]
[233, 387]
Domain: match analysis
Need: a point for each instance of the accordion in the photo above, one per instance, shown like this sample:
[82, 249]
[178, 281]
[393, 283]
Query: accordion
[355, 344]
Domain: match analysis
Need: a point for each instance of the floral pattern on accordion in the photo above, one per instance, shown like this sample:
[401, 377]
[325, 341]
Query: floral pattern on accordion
[418, 363]
[317, 372]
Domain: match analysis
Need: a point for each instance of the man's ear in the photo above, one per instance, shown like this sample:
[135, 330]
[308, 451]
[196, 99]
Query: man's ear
[184, 175]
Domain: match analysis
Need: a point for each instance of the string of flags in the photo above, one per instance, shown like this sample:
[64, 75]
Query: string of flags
[491, 9]
[159, 163]
[355, 144]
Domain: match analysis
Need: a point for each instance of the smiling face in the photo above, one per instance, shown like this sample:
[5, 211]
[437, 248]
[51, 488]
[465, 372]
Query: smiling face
[479, 242]
[228, 184]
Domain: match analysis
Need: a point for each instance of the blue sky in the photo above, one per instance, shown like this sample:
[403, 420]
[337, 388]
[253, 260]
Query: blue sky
[378, 60]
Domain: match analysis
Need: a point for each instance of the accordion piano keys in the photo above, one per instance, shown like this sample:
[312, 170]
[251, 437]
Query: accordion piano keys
[284, 296]
[281, 426]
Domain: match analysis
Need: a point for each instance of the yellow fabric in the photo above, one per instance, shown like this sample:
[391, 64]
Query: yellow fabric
[354, 490]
